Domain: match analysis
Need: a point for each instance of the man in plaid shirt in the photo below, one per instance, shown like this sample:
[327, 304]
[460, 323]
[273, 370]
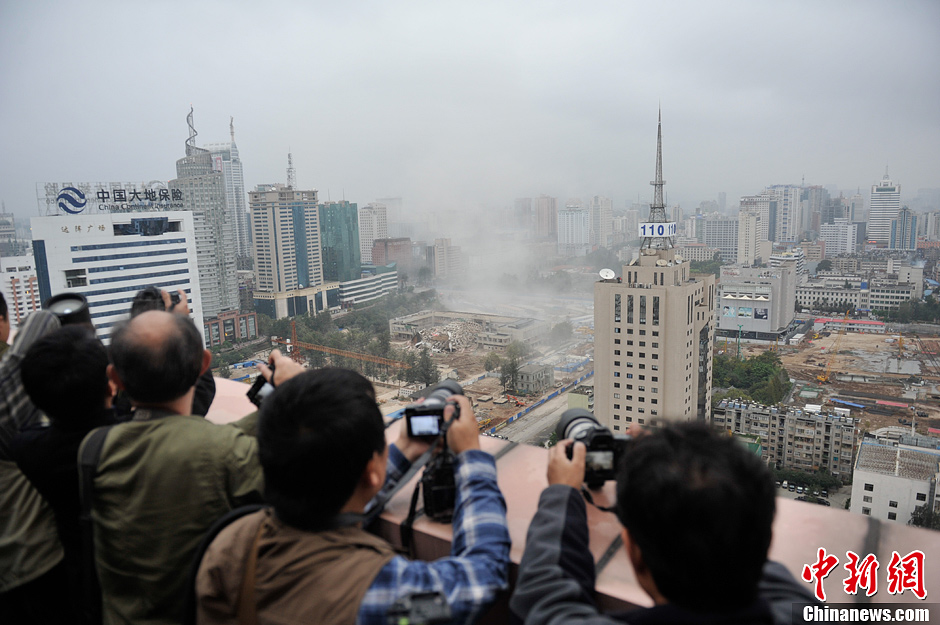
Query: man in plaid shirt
[322, 446]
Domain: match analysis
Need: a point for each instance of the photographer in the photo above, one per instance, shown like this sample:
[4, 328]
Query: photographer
[696, 509]
[323, 451]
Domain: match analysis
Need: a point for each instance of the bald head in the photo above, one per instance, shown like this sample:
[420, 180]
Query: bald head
[157, 356]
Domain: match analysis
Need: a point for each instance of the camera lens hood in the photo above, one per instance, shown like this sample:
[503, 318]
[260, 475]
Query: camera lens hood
[570, 416]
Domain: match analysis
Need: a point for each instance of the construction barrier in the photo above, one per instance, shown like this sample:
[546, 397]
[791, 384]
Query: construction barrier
[551, 396]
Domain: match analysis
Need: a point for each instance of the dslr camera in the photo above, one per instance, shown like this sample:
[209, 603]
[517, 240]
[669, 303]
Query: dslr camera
[604, 448]
[424, 420]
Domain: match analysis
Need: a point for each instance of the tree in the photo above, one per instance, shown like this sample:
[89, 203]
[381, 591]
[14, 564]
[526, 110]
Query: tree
[427, 371]
[225, 372]
[517, 350]
[824, 265]
[509, 374]
[492, 361]
[924, 516]
[561, 332]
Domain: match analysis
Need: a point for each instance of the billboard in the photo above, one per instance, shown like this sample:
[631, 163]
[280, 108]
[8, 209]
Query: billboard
[83, 198]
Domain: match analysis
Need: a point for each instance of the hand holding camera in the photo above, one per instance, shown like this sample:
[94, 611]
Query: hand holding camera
[566, 464]
[603, 448]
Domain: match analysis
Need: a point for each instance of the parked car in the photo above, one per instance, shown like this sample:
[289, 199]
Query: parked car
[799, 490]
[823, 502]
[792, 487]
[825, 493]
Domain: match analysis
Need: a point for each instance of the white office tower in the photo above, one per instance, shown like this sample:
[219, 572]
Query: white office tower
[203, 193]
[653, 331]
[20, 287]
[721, 233]
[749, 241]
[839, 236]
[601, 221]
[574, 231]
[795, 256]
[286, 239]
[764, 205]
[883, 207]
[857, 208]
[225, 159]
[788, 223]
[108, 257]
[373, 225]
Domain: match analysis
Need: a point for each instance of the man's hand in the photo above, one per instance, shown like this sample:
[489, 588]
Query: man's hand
[561, 469]
[411, 448]
[284, 368]
[463, 433]
[181, 308]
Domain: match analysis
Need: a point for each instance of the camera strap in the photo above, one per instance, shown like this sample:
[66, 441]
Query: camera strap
[590, 499]
[379, 506]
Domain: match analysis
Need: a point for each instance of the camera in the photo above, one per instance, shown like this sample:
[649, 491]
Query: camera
[70, 308]
[423, 608]
[604, 448]
[424, 420]
[261, 388]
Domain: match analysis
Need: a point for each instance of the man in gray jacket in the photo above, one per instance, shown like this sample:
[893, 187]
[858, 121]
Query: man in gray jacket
[696, 509]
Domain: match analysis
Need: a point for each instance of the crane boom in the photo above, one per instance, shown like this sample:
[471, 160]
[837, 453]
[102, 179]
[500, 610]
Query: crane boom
[295, 353]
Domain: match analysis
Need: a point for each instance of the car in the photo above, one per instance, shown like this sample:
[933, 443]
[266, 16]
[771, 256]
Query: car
[823, 502]
[799, 490]
[825, 493]
[778, 483]
[792, 487]
[801, 498]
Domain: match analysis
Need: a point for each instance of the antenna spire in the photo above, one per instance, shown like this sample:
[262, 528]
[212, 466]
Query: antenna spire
[658, 207]
[231, 127]
[191, 142]
[291, 172]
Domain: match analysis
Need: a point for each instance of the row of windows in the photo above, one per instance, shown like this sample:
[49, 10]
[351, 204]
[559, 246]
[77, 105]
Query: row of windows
[92, 259]
[159, 263]
[135, 288]
[157, 274]
[112, 246]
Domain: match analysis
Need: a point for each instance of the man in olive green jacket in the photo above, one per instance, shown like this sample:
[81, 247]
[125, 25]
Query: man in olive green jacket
[165, 476]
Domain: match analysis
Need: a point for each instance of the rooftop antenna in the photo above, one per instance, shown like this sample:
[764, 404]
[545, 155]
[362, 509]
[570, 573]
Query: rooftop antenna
[655, 233]
[191, 142]
[291, 172]
[231, 127]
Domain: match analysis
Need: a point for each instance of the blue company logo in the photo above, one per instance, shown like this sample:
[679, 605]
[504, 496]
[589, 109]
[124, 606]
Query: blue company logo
[70, 196]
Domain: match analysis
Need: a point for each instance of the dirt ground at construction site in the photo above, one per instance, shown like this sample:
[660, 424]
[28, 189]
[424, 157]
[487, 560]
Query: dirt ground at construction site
[867, 369]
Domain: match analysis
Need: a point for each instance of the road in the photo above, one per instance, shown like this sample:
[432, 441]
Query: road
[535, 427]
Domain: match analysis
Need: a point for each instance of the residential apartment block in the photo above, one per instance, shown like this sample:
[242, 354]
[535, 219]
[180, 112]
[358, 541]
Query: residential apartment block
[891, 481]
[792, 438]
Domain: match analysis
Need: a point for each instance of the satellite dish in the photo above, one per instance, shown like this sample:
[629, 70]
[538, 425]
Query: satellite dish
[607, 274]
[661, 263]
[679, 259]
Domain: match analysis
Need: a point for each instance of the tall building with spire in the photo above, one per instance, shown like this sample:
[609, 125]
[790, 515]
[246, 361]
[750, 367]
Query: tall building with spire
[203, 193]
[882, 209]
[653, 330]
[225, 158]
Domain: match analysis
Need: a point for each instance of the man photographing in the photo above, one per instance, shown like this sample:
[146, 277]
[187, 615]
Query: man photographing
[696, 509]
[321, 442]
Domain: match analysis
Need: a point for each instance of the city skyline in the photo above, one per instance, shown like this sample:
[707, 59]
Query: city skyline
[423, 108]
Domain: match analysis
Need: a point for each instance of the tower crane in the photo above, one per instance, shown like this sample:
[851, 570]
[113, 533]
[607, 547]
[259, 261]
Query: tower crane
[293, 346]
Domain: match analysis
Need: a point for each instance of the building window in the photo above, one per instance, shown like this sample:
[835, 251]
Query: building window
[629, 376]
[616, 417]
[629, 419]
[616, 341]
[616, 395]
[616, 406]
[642, 343]
[630, 354]
[866, 499]
[655, 344]
[616, 363]
[892, 516]
[616, 384]
[616, 330]
[921, 497]
[617, 308]
[892, 504]
[870, 487]
[616, 352]
[866, 511]
[616, 427]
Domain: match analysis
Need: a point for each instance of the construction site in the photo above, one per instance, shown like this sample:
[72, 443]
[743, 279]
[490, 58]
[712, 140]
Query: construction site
[886, 380]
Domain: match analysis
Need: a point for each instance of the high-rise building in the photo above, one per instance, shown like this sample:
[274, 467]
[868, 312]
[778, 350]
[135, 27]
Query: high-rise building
[108, 257]
[373, 224]
[546, 216]
[722, 233]
[601, 221]
[398, 251]
[857, 208]
[203, 193]
[522, 214]
[653, 333]
[574, 231]
[765, 206]
[883, 207]
[788, 222]
[749, 226]
[225, 159]
[339, 241]
[839, 236]
[904, 230]
[286, 238]
[445, 259]
[9, 246]
[813, 200]
[20, 287]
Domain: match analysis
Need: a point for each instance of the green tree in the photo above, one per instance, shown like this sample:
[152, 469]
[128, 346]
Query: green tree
[509, 374]
[824, 265]
[427, 371]
[517, 350]
[225, 372]
[492, 361]
[924, 516]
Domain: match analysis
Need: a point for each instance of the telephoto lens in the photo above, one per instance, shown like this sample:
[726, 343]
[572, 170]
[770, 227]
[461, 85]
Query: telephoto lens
[604, 448]
[70, 308]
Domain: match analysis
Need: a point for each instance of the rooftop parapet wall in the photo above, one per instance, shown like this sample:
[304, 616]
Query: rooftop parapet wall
[800, 529]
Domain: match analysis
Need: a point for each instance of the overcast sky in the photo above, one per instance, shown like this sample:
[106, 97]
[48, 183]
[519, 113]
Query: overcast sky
[452, 105]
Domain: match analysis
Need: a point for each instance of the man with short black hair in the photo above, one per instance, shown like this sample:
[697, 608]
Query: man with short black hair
[322, 442]
[696, 509]
[64, 374]
[166, 476]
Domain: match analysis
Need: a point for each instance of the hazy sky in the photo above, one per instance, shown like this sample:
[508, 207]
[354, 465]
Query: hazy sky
[458, 104]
